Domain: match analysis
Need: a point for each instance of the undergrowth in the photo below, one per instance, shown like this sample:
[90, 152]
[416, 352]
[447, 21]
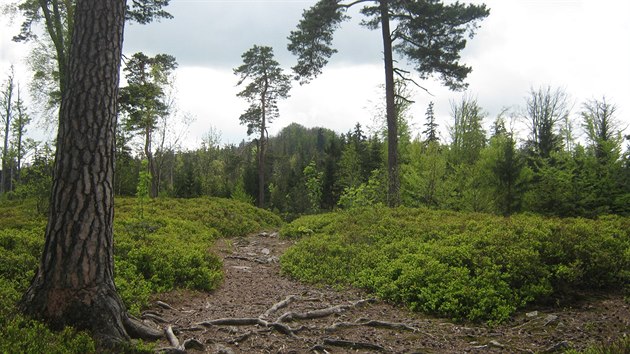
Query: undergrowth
[463, 266]
[165, 249]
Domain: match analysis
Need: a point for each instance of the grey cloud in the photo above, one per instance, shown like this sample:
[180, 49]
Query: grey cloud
[216, 33]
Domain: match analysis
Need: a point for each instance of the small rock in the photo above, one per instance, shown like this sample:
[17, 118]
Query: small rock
[263, 234]
[274, 234]
[532, 314]
[265, 251]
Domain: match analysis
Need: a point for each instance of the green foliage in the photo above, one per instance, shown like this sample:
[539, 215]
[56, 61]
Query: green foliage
[28, 336]
[166, 249]
[460, 265]
[424, 177]
[241, 195]
[266, 83]
[313, 184]
[142, 189]
[36, 180]
[619, 346]
[365, 194]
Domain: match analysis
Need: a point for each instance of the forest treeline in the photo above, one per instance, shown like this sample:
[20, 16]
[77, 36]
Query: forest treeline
[316, 169]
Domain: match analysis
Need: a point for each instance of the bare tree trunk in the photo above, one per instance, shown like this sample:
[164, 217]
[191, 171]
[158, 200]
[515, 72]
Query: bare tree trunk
[393, 190]
[74, 284]
[261, 149]
[5, 177]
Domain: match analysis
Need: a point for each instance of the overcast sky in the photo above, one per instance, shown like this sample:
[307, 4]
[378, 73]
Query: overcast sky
[581, 46]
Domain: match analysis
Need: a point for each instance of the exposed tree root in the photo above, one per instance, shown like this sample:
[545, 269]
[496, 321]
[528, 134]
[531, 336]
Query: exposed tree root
[251, 259]
[136, 329]
[280, 326]
[279, 305]
[291, 316]
[352, 345]
[172, 338]
[176, 347]
[164, 305]
[153, 316]
[372, 323]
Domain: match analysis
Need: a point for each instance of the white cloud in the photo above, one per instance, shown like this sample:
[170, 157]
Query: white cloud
[579, 45]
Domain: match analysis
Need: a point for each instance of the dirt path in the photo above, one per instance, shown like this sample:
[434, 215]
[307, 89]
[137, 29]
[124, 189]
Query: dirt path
[352, 321]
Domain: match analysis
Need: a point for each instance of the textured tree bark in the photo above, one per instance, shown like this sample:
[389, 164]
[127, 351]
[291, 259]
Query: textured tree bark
[74, 283]
[393, 190]
[261, 150]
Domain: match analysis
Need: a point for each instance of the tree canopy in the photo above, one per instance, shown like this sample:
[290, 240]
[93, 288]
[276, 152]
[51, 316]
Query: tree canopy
[428, 34]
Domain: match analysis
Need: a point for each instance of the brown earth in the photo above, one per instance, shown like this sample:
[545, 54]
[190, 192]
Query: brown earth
[253, 285]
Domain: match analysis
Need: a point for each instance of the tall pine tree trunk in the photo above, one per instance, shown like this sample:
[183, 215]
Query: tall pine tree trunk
[393, 190]
[261, 154]
[5, 176]
[74, 284]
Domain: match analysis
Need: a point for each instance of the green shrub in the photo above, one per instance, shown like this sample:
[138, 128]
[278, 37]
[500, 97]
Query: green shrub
[165, 248]
[460, 265]
[28, 336]
[619, 346]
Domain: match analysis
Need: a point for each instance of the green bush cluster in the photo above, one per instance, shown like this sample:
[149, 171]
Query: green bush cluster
[460, 265]
[167, 248]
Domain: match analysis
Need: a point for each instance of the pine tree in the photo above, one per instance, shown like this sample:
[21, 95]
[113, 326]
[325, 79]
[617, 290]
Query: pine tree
[429, 34]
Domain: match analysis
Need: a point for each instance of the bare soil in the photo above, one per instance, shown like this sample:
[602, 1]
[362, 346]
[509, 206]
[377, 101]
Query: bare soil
[253, 285]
